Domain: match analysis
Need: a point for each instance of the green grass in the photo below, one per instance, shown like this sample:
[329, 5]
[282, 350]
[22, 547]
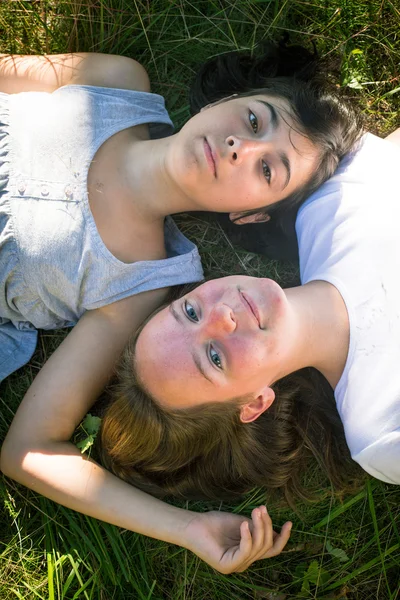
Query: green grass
[338, 550]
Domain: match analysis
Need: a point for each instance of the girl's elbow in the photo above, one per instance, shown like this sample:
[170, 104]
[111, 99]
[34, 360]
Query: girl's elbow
[12, 459]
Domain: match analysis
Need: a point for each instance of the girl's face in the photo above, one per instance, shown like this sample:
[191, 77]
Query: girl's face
[240, 155]
[227, 338]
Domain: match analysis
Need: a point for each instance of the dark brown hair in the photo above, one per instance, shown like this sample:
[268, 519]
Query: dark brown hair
[294, 73]
[206, 452]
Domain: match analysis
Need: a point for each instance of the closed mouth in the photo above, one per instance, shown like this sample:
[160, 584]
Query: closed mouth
[251, 307]
[209, 157]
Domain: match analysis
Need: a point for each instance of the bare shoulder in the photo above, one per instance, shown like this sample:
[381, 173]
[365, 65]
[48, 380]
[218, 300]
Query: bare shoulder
[19, 73]
[130, 312]
[110, 70]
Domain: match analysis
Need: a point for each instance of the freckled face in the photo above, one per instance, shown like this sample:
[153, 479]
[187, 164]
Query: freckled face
[240, 155]
[227, 338]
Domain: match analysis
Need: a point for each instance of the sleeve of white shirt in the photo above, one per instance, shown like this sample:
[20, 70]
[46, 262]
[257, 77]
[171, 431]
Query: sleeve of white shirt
[382, 459]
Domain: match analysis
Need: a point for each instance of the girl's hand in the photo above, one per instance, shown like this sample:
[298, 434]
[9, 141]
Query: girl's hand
[231, 543]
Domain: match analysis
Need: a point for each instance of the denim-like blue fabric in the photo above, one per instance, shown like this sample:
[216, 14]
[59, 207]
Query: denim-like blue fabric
[53, 263]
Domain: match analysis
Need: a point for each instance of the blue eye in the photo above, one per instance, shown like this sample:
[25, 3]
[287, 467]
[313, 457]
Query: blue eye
[215, 358]
[253, 121]
[190, 311]
[266, 171]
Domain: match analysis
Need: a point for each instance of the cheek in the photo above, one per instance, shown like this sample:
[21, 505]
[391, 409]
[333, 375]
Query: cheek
[251, 355]
[246, 183]
[240, 193]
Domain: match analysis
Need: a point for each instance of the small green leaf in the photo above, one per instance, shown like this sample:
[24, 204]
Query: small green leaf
[85, 444]
[300, 570]
[313, 572]
[305, 586]
[91, 424]
[336, 552]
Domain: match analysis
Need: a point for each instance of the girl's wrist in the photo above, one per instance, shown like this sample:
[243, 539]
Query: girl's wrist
[179, 526]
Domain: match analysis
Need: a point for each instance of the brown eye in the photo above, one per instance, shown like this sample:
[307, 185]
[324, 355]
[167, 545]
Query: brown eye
[253, 121]
[266, 171]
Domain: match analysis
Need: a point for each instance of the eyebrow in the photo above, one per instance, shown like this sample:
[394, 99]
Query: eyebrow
[195, 357]
[286, 164]
[273, 113]
[282, 155]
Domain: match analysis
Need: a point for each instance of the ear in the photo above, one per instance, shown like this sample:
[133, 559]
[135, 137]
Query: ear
[248, 219]
[254, 408]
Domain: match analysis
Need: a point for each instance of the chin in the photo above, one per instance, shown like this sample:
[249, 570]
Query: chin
[274, 297]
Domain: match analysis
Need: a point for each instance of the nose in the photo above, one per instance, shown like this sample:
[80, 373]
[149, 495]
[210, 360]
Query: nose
[240, 148]
[221, 320]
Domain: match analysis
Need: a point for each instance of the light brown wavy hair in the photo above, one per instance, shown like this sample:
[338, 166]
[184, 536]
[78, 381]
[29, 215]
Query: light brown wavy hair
[206, 452]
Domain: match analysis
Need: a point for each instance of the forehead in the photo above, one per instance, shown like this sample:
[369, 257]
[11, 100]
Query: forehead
[275, 103]
[164, 362]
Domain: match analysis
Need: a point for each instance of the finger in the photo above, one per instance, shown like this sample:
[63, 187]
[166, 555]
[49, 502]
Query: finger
[262, 541]
[258, 531]
[243, 556]
[246, 543]
[268, 540]
[237, 558]
[268, 529]
[280, 541]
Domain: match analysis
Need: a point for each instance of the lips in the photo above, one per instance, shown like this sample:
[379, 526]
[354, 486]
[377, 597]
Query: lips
[209, 157]
[251, 307]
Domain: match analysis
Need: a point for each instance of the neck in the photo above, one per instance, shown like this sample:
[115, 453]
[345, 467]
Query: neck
[321, 329]
[153, 192]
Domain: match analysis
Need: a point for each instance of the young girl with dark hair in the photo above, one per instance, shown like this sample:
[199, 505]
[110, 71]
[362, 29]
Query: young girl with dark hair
[272, 232]
[87, 184]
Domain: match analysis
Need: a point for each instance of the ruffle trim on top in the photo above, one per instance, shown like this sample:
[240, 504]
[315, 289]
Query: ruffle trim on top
[4, 141]
[9, 263]
[16, 345]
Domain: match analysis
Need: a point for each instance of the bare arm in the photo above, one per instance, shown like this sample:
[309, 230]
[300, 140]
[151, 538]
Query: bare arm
[49, 72]
[37, 451]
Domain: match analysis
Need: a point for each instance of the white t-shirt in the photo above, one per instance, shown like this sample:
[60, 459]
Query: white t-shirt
[349, 235]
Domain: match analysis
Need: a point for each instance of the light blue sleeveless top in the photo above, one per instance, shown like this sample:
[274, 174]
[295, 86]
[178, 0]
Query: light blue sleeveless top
[53, 263]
